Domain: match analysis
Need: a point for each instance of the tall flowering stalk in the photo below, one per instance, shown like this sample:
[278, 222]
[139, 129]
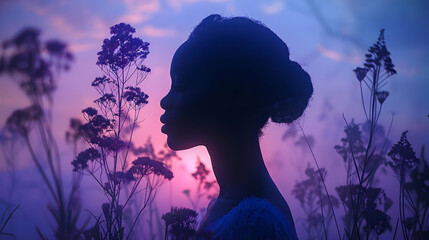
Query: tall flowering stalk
[180, 223]
[403, 162]
[365, 206]
[109, 132]
[36, 66]
[314, 203]
[204, 187]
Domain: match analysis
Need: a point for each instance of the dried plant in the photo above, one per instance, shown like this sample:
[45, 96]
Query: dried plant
[205, 188]
[36, 66]
[314, 202]
[109, 132]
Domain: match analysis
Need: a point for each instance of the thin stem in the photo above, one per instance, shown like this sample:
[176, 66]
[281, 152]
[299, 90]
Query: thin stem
[323, 181]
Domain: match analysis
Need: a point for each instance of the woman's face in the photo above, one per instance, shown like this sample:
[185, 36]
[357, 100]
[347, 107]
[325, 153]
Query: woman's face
[189, 105]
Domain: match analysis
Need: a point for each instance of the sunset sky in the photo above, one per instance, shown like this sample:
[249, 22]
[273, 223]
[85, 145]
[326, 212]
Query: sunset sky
[329, 38]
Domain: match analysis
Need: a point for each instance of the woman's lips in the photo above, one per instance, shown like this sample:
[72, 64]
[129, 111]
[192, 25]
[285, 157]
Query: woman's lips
[162, 119]
[164, 129]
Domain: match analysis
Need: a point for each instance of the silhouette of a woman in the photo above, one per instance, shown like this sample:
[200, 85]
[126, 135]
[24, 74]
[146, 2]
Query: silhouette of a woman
[228, 79]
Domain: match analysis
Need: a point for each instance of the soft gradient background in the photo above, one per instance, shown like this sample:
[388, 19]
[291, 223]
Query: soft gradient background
[327, 37]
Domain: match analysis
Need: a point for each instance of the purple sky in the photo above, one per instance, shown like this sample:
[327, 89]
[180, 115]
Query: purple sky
[329, 38]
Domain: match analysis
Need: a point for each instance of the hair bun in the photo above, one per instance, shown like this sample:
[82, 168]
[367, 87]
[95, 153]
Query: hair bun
[295, 94]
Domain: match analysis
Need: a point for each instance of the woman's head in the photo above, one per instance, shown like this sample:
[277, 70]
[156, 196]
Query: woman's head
[232, 74]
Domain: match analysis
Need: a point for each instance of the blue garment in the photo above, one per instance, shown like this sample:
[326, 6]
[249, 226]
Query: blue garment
[252, 218]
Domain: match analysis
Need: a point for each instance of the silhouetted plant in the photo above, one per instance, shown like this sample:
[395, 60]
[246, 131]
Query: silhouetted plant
[5, 218]
[74, 134]
[152, 216]
[180, 223]
[314, 202]
[110, 129]
[417, 196]
[35, 66]
[205, 188]
[370, 199]
[404, 162]
[10, 142]
[360, 200]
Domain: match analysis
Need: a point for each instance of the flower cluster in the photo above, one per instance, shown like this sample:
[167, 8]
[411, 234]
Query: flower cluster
[352, 142]
[376, 60]
[81, 161]
[89, 112]
[108, 99]
[403, 156]
[120, 177]
[314, 202]
[101, 81]
[180, 222]
[21, 120]
[96, 126]
[381, 96]
[122, 48]
[143, 166]
[201, 172]
[360, 73]
[113, 144]
[378, 55]
[135, 96]
[370, 201]
[29, 60]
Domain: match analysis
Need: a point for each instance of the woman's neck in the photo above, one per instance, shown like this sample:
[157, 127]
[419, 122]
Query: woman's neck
[238, 166]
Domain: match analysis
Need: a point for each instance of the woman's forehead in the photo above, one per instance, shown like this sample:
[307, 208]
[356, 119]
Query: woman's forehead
[184, 59]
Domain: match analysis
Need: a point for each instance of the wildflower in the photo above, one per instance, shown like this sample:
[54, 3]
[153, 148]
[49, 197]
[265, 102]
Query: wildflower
[106, 210]
[360, 73]
[22, 119]
[369, 202]
[92, 131]
[381, 96]
[135, 95]
[81, 161]
[143, 166]
[379, 56]
[180, 222]
[101, 122]
[186, 192]
[89, 111]
[106, 98]
[113, 144]
[419, 179]
[201, 172]
[121, 177]
[74, 133]
[100, 81]
[143, 68]
[377, 221]
[56, 47]
[208, 185]
[403, 156]
[122, 48]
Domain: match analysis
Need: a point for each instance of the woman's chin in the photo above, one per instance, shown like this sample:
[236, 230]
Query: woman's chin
[178, 144]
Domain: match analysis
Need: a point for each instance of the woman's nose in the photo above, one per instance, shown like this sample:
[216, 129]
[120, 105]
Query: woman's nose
[165, 101]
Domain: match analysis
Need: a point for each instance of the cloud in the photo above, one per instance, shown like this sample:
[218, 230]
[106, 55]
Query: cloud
[179, 3]
[272, 8]
[81, 47]
[337, 56]
[219, 1]
[331, 54]
[134, 18]
[146, 6]
[151, 31]
[139, 11]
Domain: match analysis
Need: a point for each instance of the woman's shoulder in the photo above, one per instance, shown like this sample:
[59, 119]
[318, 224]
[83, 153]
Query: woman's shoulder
[253, 218]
